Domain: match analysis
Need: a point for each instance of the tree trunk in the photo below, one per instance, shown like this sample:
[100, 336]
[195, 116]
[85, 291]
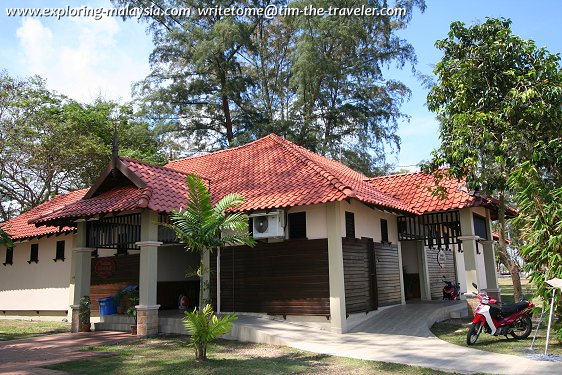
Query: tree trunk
[227, 119]
[226, 109]
[502, 251]
[204, 279]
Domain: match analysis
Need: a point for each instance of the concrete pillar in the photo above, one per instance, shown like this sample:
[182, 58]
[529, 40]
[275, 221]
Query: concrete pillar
[147, 309]
[338, 318]
[490, 261]
[402, 291]
[80, 274]
[469, 250]
[459, 268]
[425, 287]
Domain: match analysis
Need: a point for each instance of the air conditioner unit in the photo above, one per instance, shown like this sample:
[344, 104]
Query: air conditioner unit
[269, 224]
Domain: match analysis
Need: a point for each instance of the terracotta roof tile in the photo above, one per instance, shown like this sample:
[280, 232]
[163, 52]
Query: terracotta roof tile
[165, 190]
[274, 173]
[416, 190]
[20, 229]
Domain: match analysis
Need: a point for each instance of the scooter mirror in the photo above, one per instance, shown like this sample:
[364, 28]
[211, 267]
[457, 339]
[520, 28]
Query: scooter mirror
[474, 285]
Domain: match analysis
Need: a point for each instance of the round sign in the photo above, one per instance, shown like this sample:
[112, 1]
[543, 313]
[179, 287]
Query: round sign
[441, 258]
[105, 267]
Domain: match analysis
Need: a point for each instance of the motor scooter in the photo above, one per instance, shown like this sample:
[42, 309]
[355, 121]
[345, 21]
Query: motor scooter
[451, 291]
[513, 319]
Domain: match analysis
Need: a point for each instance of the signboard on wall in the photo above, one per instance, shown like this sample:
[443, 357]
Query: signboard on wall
[104, 267]
[115, 269]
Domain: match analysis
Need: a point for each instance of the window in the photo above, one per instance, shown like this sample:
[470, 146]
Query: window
[34, 256]
[9, 256]
[384, 230]
[60, 251]
[349, 225]
[480, 228]
[297, 225]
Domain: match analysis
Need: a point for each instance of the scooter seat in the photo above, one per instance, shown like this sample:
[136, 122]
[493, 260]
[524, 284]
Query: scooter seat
[514, 307]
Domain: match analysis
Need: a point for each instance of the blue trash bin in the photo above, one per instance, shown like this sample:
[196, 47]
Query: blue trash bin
[107, 306]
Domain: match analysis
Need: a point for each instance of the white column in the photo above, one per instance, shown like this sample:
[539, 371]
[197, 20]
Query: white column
[490, 259]
[461, 275]
[469, 249]
[148, 275]
[80, 274]
[424, 271]
[338, 317]
[147, 309]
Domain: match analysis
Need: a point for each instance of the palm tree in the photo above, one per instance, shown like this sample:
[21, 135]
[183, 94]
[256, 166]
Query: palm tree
[203, 227]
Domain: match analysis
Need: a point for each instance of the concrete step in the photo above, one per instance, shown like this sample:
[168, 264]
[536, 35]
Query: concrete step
[117, 319]
[171, 325]
[122, 327]
[458, 310]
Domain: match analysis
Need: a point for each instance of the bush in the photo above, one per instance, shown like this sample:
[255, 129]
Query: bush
[204, 326]
[84, 314]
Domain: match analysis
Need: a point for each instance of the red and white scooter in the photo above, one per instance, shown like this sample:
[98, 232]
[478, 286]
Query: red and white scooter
[514, 319]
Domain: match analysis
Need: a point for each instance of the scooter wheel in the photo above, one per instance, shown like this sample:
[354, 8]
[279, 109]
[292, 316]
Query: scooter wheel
[473, 333]
[522, 328]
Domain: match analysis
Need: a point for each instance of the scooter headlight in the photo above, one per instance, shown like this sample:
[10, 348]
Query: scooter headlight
[485, 300]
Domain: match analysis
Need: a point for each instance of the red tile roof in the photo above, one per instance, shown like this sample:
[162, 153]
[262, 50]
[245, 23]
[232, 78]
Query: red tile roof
[417, 191]
[20, 229]
[275, 173]
[164, 190]
[270, 173]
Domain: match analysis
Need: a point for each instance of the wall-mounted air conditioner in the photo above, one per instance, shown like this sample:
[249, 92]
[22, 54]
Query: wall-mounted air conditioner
[269, 224]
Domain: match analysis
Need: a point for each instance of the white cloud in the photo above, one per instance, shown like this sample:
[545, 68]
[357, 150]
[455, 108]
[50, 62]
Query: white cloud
[36, 42]
[81, 57]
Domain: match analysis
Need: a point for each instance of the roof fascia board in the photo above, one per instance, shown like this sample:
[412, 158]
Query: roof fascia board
[121, 167]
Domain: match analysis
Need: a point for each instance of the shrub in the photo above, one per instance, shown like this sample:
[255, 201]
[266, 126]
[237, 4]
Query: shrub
[204, 326]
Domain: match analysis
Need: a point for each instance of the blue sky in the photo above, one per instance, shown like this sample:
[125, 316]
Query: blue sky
[84, 58]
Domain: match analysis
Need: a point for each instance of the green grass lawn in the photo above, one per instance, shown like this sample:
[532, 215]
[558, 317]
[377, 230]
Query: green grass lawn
[455, 330]
[21, 329]
[171, 355]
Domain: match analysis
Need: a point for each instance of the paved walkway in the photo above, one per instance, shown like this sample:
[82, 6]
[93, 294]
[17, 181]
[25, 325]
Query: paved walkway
[23, 356]
[399, 335]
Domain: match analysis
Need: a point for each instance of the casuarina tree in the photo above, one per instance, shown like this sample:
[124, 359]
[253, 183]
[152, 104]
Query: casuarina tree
[320, 81]
[496, 97]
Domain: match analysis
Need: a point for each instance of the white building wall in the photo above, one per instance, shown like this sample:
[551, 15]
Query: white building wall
[41, 286]
[368, 221]
[315, 220]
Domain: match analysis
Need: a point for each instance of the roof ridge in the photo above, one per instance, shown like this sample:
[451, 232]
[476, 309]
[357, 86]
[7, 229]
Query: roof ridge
[154, 165]
[223, 150]
[145, 197]
[403, 174]
[333, 180]
[394, 175]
